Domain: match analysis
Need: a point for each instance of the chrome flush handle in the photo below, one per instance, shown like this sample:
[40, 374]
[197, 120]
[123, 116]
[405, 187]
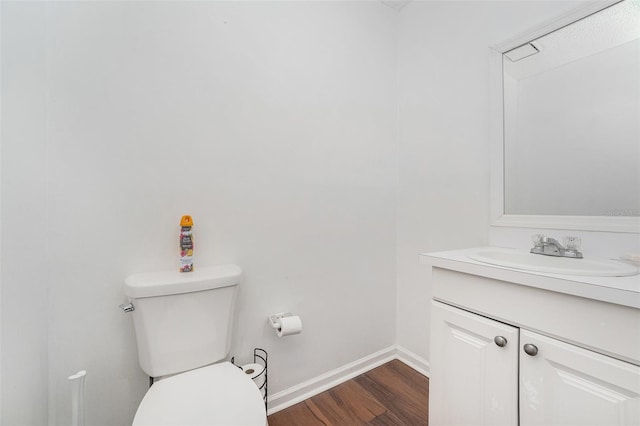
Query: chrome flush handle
[128, 307]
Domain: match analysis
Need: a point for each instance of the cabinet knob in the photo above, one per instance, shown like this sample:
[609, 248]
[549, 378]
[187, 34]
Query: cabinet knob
[500, 341]
[530, 349]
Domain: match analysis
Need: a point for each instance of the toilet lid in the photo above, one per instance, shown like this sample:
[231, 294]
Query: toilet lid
[219, 394]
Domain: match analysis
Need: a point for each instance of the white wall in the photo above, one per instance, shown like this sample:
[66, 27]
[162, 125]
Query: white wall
[443, 192]
[273, 124]
[24, 308]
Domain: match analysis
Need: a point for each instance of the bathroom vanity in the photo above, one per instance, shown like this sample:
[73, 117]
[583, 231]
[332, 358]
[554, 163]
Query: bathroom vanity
[515, 347]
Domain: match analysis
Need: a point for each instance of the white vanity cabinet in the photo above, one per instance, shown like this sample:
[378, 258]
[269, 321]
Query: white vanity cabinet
[475, 381]
[563, 384]
[515, 348]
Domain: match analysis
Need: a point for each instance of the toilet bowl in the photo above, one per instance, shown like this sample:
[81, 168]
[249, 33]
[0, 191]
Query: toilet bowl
[183, 324]
[219, 394]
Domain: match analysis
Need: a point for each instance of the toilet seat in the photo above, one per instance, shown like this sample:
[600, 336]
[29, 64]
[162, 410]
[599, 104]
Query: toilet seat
[219, 394]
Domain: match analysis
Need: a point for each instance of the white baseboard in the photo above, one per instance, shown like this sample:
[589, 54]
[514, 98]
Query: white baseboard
[298, 393]
[414, 361]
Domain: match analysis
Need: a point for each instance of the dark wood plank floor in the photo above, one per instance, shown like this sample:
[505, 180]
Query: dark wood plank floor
[392, 394]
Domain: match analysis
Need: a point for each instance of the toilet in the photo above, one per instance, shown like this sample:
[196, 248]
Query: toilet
[183, 324]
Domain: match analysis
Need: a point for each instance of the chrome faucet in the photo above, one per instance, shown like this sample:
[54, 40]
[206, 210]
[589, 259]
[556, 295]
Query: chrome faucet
[551, 247]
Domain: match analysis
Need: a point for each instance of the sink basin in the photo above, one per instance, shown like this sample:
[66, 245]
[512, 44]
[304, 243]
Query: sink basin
[520, 259]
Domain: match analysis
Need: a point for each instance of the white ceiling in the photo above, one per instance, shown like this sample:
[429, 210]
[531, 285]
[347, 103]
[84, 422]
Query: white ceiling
[396, 4]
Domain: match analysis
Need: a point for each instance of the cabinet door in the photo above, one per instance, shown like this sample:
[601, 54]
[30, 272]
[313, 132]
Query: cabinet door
[473, 380]
[563, 384]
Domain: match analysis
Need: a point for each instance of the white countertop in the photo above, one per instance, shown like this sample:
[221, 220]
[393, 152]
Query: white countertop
[619, 290]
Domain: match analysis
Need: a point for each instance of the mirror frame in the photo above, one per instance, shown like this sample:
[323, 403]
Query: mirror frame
[628, 224]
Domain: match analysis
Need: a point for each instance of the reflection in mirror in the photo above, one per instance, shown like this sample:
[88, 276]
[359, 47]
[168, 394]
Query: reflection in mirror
[572, 118]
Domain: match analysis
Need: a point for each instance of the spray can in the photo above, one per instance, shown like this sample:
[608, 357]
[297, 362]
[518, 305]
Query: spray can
[186, 244]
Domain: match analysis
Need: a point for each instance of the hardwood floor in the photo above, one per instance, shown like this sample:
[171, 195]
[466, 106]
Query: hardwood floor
[392, 394]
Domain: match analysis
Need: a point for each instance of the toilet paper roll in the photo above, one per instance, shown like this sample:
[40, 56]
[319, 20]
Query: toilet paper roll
[255, 372]
[289, 325]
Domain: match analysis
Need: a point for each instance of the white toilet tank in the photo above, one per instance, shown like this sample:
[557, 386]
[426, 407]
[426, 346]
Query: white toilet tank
[183, 320]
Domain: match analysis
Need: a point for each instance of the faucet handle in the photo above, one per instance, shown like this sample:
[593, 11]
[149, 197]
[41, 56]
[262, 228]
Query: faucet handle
[538, 239]
[572, 243]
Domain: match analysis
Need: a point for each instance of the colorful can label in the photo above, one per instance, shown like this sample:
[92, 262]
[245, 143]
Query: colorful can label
[186, 247]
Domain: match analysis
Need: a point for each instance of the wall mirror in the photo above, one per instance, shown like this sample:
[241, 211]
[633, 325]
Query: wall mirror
[566, 122]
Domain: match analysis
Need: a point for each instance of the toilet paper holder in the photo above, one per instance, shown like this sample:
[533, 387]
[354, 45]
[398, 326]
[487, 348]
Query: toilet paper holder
[260, 356]
[273, 319]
